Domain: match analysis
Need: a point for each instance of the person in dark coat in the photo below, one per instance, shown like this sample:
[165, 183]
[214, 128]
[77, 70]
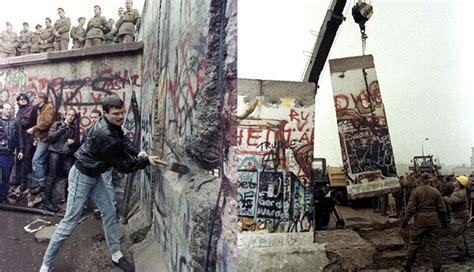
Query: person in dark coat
[10, 144]
[105, 146]
[63, 139]
[26, 115]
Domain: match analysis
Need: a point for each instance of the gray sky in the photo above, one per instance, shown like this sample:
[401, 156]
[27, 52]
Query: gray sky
[421, 52]
[34, 11]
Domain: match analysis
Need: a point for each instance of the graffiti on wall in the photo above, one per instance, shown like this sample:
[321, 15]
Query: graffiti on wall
[182, 65]
[81, 93]
[275, 151]
[363, 130]
[173, 226]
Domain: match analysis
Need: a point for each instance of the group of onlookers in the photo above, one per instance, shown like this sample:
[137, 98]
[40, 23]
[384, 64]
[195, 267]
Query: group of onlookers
[98, 31]
[434, 203]
[42, 145]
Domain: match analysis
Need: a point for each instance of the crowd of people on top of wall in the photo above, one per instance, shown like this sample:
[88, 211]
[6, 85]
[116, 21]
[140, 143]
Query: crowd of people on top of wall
[56, 37]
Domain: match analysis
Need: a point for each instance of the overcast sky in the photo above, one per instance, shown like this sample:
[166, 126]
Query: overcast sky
[421, 52]
[35, 11]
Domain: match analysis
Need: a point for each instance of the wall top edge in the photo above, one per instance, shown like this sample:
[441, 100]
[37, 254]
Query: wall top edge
[82, 53]
[275, 88]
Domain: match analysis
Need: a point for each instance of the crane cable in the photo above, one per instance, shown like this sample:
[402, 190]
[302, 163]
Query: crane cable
[362, 13]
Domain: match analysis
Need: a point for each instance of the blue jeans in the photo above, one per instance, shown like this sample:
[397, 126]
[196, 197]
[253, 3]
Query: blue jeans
[80, 188]
[107, 178]
[39, 162]
[6, 165]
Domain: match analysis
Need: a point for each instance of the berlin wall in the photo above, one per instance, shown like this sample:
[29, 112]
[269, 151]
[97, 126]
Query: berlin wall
[183, 71]
[274, 153]
[73, 81]
[189, 80]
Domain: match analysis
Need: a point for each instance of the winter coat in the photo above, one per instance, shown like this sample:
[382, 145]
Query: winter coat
[105, 146]
[58, 135]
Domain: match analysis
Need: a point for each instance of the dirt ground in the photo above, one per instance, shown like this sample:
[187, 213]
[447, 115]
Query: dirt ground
[83, 251]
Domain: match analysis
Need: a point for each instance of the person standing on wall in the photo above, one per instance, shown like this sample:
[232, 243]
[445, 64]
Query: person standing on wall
[96, 28]
[63, 140]
[26, 115]
[61, 31]
[36, 40]
[105, 146]
[46, 114]
[25, 40]
[109, 38]
[78, 34]
[10, 142]
[128, 24]
[428, 208]
[459, 216]
[8, 42]
[47, 37]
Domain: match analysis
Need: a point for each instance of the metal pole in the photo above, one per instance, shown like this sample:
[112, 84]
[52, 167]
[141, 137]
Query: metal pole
[422, 149]
[12, 208]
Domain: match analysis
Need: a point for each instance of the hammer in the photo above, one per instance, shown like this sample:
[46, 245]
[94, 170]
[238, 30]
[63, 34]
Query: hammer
[173, 166]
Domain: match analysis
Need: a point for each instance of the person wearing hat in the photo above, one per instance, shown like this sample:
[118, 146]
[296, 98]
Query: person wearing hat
[459, 215]
[25, 40]
[78, 34]
[428, 209]
[8, 42]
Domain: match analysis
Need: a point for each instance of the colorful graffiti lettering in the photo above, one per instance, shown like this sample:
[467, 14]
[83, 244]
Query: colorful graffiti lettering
[276, 155]
[363, 131]
[83, 94]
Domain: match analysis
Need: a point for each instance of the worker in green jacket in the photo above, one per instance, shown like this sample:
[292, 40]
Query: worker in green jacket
[96, 28]
[428, 208]
[61, 31]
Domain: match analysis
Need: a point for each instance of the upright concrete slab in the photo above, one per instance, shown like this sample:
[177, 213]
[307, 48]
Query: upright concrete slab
[274, 152]
[366, 148]
[185, 54]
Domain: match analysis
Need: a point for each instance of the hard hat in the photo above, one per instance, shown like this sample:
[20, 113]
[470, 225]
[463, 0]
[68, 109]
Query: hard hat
[463, 180]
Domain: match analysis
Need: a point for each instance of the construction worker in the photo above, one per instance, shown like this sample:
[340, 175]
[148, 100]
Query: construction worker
[459, 215]
[428, 208]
